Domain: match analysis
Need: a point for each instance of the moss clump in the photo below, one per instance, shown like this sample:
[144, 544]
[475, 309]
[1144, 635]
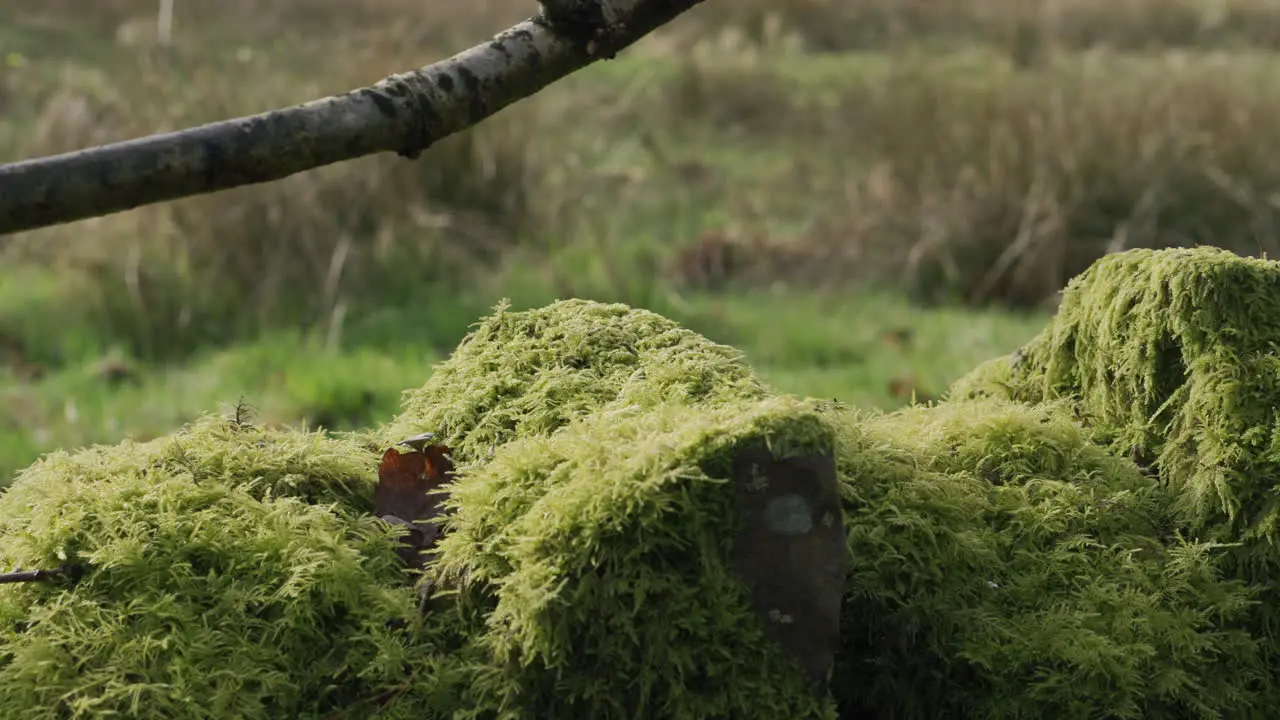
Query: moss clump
[599, 555]
[1171, 356]
[230, 571]
[521, 373]
[1004, 566]
[591, 520]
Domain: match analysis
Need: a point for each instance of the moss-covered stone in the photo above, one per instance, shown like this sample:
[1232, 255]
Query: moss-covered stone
[600, 557]
[1003, 566]
[593, 521]
[1171, 357]
[229, 571]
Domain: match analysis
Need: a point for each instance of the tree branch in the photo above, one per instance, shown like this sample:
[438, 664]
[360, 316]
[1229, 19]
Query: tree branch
[404, 113]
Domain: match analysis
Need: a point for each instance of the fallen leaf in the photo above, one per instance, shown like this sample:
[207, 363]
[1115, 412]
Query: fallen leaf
[404, 497]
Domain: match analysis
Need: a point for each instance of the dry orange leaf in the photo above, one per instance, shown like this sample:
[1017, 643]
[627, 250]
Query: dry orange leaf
[404, 497]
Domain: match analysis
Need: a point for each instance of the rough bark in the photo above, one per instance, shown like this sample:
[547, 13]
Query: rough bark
[404, 113]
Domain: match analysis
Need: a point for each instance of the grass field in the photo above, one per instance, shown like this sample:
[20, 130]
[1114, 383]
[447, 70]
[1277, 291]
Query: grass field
[866, 198]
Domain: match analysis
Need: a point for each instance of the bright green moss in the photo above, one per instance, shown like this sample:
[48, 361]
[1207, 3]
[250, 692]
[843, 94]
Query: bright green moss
[599, 555]
[522, 373]
[1171, 356]
[1006, 567]
[591, 521]
[230, 572]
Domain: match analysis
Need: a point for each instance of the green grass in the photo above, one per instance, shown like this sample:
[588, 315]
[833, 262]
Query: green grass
[856, 348]
[281, 380]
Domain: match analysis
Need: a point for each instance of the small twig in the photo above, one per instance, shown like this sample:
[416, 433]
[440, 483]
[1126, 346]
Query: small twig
[418, 442]
[382, 700]
[71, 572]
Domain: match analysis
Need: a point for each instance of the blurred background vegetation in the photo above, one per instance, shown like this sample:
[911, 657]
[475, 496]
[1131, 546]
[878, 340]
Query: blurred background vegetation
[867, 197]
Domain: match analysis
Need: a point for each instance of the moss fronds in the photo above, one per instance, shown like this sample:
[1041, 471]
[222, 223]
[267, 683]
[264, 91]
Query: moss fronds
[1171, 356]
[601, 553]
[1004, 566]
[531, 372]
[229, 572]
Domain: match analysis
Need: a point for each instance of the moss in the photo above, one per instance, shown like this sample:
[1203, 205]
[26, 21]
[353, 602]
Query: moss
[590, 521]
[600, 557]
[1004, 566]
[531, 372]
[230, 572]
[590, 518]
[993, 379]
[1171, 356]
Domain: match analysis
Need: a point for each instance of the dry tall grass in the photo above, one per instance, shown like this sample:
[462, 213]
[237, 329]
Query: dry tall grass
[970, 178]
[1005, 184]
[1026, 30]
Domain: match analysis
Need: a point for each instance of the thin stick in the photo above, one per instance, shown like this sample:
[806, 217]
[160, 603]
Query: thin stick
[23, 576]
